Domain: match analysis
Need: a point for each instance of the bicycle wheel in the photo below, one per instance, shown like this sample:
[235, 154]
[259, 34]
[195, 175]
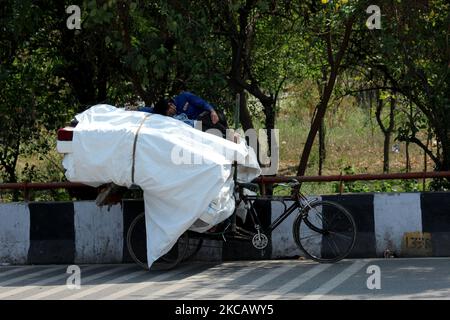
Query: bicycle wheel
[325, 231]
[137, 247]
[175, 255]
[194, 247]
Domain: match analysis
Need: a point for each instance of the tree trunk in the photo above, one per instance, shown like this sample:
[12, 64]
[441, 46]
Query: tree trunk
[269, 111]
[441, 160]
[10, 174]
[322, 150]
[425, 159]
[335, 63]
[387, 132]
[408, 161]
[244, 115]
[11, 177]
[387, 143]
[444, 152]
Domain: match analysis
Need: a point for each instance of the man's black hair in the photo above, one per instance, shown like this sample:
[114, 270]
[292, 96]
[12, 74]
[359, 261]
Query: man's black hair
[161, 107]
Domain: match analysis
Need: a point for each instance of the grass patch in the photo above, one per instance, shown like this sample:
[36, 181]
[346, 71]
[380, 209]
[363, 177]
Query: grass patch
[353, 140]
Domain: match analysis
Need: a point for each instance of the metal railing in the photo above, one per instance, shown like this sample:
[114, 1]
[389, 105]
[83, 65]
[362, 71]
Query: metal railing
[26, 187]
[263, 181]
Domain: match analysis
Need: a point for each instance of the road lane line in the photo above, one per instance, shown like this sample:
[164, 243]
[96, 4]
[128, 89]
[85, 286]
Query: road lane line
[39, 283]
[28, 276]
[336, 281]
[84, 280]
[143, 285]
[296, 282]
[255, 284]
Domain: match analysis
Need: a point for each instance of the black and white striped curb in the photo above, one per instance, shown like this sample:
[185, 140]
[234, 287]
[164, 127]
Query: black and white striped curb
[385, 221]
[81, 232]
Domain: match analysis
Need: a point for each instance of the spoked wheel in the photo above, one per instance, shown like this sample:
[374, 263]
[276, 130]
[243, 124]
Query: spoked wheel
[137, 247]
[326, 232]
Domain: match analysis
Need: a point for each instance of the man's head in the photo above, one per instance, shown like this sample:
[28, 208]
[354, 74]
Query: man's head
[165, 107]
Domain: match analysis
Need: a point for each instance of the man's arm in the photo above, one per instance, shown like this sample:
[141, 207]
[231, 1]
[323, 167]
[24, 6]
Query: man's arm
[198, 102]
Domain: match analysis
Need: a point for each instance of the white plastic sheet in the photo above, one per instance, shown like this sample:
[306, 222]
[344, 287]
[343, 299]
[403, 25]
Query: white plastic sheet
[186, 174]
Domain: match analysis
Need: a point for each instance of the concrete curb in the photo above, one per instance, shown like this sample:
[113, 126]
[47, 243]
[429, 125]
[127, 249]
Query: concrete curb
[74, 232]
[408, 224]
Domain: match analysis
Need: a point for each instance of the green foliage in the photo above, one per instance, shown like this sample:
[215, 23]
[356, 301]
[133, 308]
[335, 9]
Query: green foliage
[134, 52]
[32, 98]
[412, 51]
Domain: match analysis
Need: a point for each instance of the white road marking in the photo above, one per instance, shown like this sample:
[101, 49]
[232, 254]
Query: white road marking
[15, 270]
[39, 283]
[436, 284]
[206, 275]
[84, 280]
[143, 285]
[28, 276]
[222, 283]
[255, 284]
[296, 282]
[336, 281]
[109, 283]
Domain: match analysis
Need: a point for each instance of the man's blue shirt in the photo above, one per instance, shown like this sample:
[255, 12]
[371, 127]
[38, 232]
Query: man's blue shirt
[185, 119]
[182, 117]
[191, 105]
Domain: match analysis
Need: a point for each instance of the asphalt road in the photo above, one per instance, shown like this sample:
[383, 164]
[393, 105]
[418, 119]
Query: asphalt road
[420, 278]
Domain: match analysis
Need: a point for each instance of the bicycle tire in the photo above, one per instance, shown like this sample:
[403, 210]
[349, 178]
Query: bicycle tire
[168, 261]
[177, 253]
[196, 248]
[317, 220]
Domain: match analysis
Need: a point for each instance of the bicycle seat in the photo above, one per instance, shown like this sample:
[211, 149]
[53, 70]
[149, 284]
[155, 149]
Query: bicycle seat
[248, 185]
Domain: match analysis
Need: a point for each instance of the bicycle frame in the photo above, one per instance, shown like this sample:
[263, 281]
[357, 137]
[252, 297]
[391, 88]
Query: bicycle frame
[299, 202]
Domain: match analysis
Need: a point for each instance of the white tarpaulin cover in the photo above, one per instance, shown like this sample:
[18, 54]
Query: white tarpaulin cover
[186, 174]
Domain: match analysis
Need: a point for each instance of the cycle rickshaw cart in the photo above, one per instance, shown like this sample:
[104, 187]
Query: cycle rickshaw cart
[323, 230]
[316, 222]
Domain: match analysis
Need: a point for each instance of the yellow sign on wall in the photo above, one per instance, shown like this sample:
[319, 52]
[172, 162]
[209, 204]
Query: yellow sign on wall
[417, 244]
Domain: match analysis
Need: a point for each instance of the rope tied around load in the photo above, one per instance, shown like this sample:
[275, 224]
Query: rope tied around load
[134, 146]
